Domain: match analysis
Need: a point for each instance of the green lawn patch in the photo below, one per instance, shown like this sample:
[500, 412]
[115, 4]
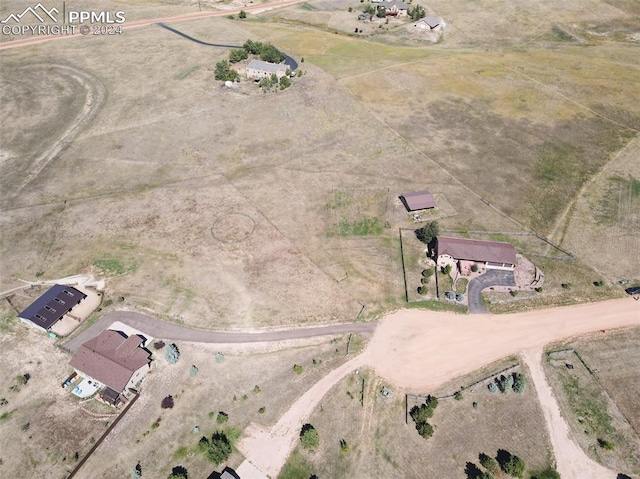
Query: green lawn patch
[296, 467]
[363, 227]
[434, 305]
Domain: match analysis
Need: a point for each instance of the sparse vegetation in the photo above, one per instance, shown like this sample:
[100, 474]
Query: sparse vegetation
[297, 369]
[222, 417]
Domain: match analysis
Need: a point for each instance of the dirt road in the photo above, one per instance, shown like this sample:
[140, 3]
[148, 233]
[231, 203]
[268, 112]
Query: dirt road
[144, 23]
[571, 461]
[420, 350]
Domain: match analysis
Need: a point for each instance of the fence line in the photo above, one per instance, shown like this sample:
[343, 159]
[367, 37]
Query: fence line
[103, 437]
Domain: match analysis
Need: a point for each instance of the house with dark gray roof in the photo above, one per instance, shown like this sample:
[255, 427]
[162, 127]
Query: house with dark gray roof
[418, 200]
[257, 69]
[487, 254]
[428, 23]
[113, 360]
[51, 307]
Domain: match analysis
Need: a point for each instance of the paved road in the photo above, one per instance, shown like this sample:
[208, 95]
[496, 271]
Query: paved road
[493, 277]
[158, 328]
[184, 35]
[290, 62]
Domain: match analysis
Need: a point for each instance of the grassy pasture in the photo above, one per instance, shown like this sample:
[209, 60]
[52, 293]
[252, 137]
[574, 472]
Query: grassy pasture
[601, 405]
[381, 444]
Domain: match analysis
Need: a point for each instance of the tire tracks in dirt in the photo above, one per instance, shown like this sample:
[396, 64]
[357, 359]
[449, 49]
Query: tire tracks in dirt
[95, 94]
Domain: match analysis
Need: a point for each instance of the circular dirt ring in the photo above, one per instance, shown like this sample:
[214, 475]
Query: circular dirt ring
[233, 227]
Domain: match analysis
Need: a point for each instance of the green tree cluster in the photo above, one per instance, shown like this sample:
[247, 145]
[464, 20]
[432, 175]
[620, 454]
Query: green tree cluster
[237, 55]
[428, 232]
[266, 51]
[510, 463]
[224, 72]
[217, 448]
[421, 414]
[416, 13]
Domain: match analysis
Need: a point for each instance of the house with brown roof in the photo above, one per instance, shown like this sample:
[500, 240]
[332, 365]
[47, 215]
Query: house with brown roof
[463, 252]
[418, 200]
[113, 361]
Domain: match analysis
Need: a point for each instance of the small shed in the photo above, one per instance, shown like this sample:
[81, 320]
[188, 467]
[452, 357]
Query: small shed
[418, 200]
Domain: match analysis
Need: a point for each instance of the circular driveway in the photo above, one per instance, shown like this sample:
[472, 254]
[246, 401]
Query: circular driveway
[493, 277]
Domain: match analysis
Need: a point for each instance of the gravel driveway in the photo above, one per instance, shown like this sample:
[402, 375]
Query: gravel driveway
[160, 329]
[493, 277]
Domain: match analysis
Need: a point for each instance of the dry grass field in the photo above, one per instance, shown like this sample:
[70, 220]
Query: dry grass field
[234, 209]
[599, 394]
[382, 445]
[42, 425]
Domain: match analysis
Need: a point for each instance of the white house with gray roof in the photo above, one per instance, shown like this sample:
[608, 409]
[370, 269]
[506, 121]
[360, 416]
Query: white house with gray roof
[257, 69]
[394, 8]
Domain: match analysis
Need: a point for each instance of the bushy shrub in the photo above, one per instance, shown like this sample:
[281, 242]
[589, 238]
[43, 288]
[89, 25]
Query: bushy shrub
[309, 437]
[489, 463]
[167, 402]
[172, 354]
[519, 382]
[222, 417]
[424, 429]
[193, 370]
[297, 369]
[505, 383]
[493, 387]
[474, 268]
[604, 444]
[458, 396]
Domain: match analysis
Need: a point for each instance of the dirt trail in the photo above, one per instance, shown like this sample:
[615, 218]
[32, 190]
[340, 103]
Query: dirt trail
[571, 461]
[268, 449]
[144, 23]
[420, 350]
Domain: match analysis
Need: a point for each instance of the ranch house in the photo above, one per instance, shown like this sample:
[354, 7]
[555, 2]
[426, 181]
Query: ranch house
[111, 362]
[257, 69]
[394, 8]
[463, 253]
